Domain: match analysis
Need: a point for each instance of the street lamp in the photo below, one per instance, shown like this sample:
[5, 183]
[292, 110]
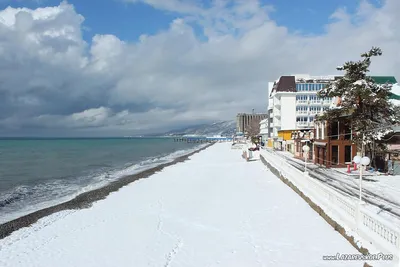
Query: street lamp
[361, 161]
[306, 149]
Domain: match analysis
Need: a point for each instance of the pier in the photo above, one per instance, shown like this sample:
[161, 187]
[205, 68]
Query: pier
[202, 140]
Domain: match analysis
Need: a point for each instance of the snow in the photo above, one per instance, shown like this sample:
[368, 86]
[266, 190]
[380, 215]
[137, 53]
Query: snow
[396, 89]
[383, 191]
[213, 210]
[360, 82]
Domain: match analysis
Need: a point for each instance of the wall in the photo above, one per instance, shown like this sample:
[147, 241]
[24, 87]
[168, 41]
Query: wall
[285, 134]
[270, 142]
[288, 111]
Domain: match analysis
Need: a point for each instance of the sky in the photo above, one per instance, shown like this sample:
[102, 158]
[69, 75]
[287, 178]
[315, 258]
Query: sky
[127, 67]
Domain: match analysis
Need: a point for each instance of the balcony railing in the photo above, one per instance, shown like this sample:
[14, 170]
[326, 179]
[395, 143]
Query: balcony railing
[302, 123]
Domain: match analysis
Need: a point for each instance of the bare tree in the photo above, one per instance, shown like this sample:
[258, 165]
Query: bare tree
[253, 129]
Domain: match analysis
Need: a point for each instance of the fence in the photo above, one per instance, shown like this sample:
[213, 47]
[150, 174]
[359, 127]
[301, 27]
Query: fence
[382, 234]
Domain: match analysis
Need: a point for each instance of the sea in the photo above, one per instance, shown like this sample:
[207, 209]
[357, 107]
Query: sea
[39, 173]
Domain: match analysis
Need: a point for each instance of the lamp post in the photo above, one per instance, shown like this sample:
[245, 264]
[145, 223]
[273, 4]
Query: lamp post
[306, 149]
[361, 162]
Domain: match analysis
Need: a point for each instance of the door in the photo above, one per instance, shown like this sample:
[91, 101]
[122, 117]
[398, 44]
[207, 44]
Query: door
[347, 154]
[335, 155]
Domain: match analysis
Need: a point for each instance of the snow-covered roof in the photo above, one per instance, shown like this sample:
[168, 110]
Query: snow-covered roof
[396, 89]
[300, 77]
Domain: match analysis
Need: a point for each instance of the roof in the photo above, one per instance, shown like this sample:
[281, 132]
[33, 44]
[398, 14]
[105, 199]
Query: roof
[384, 79]
[286, 84]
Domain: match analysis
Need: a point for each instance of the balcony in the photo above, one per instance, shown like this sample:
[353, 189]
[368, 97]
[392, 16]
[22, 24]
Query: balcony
[302, 124]
[302, 112]
[301, 102]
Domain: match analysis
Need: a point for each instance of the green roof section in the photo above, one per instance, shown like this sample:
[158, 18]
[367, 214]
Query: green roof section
[394, 96]
[384, 79]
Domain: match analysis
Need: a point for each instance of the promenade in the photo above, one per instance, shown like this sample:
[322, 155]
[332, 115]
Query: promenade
[212, 210]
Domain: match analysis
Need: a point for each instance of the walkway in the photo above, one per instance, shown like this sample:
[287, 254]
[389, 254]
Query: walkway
[213, 210]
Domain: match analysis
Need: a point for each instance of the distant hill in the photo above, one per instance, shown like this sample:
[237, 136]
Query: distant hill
[224, 128]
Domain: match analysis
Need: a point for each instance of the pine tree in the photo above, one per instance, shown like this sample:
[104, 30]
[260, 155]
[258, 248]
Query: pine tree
[364, 103]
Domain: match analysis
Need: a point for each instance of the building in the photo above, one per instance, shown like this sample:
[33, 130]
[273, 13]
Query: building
[264, 132]
[301, 138]
[293, 103]
[333, 145]
[244, 120]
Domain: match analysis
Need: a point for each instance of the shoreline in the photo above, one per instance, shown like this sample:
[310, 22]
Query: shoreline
[86, 199]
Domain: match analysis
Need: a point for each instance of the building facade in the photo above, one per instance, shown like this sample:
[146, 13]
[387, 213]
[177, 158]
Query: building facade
[244, 120]
[264, 132]
[333, 145]
[293, 102]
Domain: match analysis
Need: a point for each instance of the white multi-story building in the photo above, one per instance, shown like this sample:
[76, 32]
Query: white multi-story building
[293, 102]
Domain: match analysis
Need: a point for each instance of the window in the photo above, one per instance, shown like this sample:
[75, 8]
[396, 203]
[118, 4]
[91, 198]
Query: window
[322, 130]
[347, 132]
[301, 109]
[347, 154]
[301, 98]
[301, 120]
[334, 133]
[335, 155]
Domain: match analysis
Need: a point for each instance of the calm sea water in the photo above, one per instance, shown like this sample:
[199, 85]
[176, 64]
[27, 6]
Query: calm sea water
[39, 173]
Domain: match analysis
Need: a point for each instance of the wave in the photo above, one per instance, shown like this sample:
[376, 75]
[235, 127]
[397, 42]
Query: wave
[25, 199]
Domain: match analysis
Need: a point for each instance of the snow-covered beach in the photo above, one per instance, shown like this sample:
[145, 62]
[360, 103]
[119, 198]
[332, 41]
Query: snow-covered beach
[212, 210]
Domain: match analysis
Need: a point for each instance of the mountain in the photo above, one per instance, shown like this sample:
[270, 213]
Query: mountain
[224, 128]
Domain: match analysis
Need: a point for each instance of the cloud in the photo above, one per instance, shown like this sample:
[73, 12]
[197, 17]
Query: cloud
[52, 81]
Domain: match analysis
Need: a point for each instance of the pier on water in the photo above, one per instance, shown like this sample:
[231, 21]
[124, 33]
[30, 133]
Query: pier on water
[201, 140]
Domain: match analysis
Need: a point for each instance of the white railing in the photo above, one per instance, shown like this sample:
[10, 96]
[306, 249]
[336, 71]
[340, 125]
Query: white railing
[382, 234]
[302, 123]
